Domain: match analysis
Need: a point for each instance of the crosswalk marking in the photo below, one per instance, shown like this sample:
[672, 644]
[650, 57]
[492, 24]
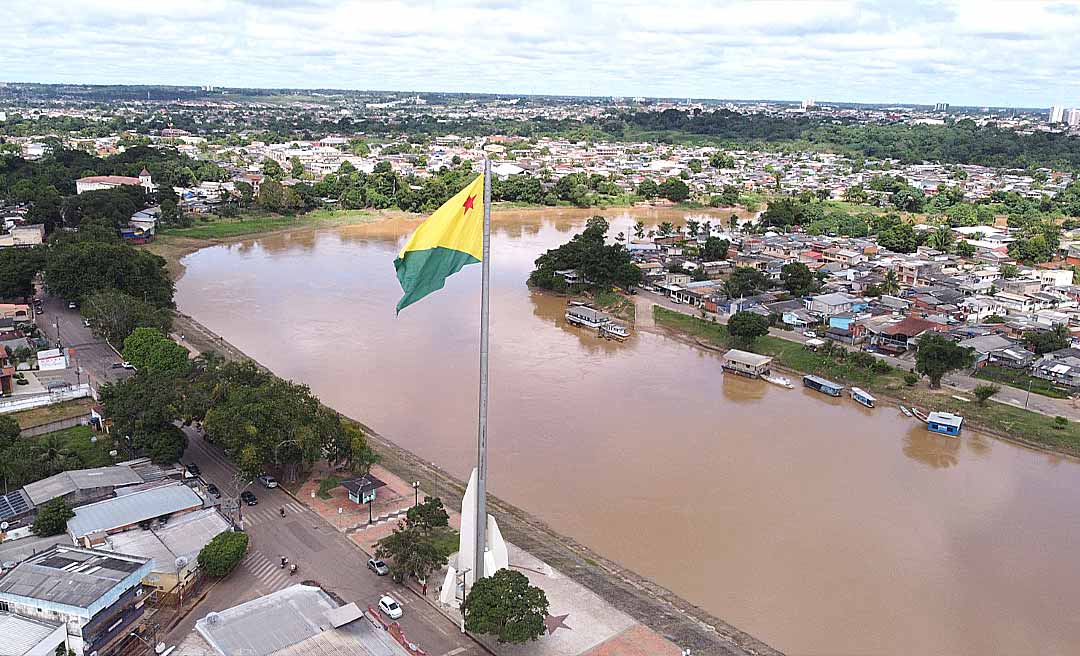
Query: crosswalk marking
[270, 513]
[268, 572]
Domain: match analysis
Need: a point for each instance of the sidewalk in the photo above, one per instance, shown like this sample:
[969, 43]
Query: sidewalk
[579, 623]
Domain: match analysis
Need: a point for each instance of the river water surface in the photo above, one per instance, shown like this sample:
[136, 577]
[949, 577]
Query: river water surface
[817, 525]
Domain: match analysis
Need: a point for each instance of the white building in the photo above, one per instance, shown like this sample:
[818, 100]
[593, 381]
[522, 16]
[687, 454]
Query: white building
[98, 182]
[1057, 113]
[1072, 118]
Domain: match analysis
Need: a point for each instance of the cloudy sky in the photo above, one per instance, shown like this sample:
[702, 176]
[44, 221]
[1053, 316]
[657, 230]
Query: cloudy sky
[967, 53]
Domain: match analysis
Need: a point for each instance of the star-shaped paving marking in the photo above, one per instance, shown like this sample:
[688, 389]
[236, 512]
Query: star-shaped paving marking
[556, 622]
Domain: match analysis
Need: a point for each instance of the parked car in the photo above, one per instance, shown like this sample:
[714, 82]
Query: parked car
[378, 566]
[390, 606]
[249, 498]
[86, 322]
[810, 334]
[72, 305]
[127, 365]
[193, 470]
[213, 490]
[267, 481]
[117, 365]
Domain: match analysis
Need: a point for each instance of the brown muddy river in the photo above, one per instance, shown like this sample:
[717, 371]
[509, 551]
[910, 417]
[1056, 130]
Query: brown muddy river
[819, 526]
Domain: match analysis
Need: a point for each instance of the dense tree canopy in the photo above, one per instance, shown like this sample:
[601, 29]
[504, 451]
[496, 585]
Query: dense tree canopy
[747, 327]
[150, 349]
[223, 552]
[938, 355]
[602, 264]
[507, 606]
[75, 269]
[114, 315]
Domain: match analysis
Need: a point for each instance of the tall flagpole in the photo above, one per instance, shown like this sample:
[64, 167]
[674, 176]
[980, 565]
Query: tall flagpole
[481, 439]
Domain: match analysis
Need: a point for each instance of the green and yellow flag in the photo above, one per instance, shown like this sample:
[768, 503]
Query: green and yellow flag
[450, 238]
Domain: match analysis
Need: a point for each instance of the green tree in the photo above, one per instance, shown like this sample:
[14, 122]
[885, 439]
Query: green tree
[890, 284]
[941, 239]
[694, 165]
[648, 189]
[411, 552]
[900, 238]
[715, 249]
[223, 553]
[114, 315]
[296, 167]
[798, 279]
[938, 355]
[984, 392]
[507, 606]
[427, 515]
[272, 170]
[18, 266]
[148, 348]
[964, 248]
[52, 518]
[1045, 341]
[745, 281]
[639, 229]
[75, 269]
[674, 190]
[747, 327]
[1009, 271]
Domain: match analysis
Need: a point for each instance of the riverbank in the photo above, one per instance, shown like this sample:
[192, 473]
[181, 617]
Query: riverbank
[998, 419]
[645, 601]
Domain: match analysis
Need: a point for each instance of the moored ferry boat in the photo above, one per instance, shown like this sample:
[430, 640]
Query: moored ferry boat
[862, 397]
[822, 385]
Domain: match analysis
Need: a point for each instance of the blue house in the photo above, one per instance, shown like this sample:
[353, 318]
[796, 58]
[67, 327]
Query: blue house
[945, 423]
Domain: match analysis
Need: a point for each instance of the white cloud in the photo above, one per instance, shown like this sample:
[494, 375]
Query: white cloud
[963, 52]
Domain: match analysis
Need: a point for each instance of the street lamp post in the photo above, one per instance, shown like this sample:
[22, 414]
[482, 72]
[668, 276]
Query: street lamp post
[416, 493]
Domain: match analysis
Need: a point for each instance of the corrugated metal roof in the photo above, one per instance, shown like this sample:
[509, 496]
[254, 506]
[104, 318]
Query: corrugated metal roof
[67, 575]
[19, 635]
[185, 536]
[132, 509]
[80, 479]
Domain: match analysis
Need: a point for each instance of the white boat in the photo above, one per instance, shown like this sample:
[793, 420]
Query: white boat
[907, 413]
[782, 381]
[862, 397]
[613, 330]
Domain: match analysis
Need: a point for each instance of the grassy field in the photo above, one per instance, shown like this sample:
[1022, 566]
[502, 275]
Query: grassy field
[78, 441]
[1001, 418]
[446, 541]
[616, 304]
[1021, 380]
[256, 223]
[327, 484]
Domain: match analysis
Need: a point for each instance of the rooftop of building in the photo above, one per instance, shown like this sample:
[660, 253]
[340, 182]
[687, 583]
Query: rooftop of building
[132, 508]
[71, 576]
[80, 479]
[20, 635]
[182, 538]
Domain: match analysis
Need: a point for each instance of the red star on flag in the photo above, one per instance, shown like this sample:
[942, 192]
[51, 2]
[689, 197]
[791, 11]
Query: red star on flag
[469, 203]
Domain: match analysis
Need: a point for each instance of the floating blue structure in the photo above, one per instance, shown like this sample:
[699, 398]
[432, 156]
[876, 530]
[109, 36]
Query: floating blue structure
[821, 385]
[945, 423]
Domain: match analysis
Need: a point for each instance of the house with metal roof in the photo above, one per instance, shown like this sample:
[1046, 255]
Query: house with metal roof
[93, 521]
[300, 620]
[173, 548]
[81, 486]
[24, 636]
[96, 595]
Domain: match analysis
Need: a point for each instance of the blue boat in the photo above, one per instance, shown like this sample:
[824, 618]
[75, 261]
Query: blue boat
[945, 423]
[821, 385]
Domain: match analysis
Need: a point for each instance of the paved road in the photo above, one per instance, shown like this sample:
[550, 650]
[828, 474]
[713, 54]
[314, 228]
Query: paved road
[960, 382]
[93, 357]
[323, 553]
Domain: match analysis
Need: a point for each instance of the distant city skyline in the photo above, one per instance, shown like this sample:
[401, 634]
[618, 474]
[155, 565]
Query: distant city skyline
[997, 54]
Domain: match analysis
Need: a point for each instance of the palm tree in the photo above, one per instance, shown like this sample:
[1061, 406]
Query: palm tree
[55, 456]
[941, 239]
[891, 283]
[639, 229]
